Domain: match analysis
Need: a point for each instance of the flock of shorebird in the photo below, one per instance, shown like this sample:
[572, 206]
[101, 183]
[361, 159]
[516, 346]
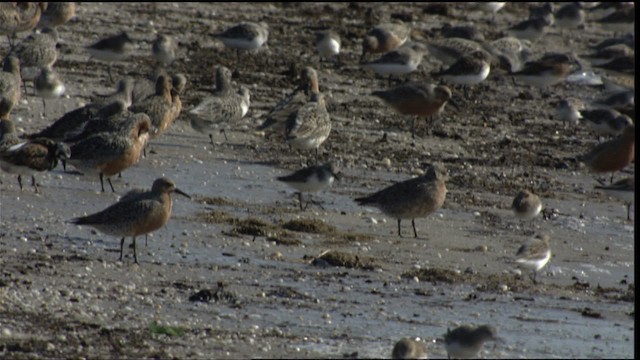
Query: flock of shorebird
[110, 134]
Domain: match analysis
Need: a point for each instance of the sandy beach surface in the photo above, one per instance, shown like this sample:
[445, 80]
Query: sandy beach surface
[240, 272]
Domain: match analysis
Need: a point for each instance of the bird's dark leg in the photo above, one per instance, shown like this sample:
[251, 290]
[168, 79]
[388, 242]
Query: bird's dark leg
[101, 182]
[300, 200]
[110, 184]
[225, 134]
[211, 138]
[413, 222]
[20, 181]
[135, 256]
[121, 247]
[533, 277]
[33, 183]
[629, 212]
[316, 156]
[146, 238]
[399, 233]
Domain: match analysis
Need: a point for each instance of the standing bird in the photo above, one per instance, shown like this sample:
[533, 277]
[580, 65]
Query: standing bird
[48, 86]
[569, 112]
[309, 126]
[224, 110]
[244, 36]
[10, 82]
[470, 69]
[526, 205]
[624, 190]
[328, 43]
[35, 52]
[19, 16]
[531, 29]
[31, 156]
[57, 13]
[110, 49]
[123, 92]
[606, 121]
[613, 155]
[310, 179]
[164, 49]
[157, 106]
[277, 117]
[409, 348]
[570, 16]
[110, 153]
[417, 99]
[465, 342]
[136, 215]
[410, 199]
[402, 60]
[549, 70]
[384, 38]
[534, 254]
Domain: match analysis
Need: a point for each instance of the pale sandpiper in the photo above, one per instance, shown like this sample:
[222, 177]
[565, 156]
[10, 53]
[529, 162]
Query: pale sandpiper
[222, 110]
[57, 13]
[568, 111]
[607, 122]
[328, 43]
[48, 85]
[384, 38]
[534, 254]
[526, 205]
[530, 29]
[110, 49]
[402, 60]
[470, 69]
[140, 214]
[449, 50]
[245, 36]
[311, 179]
[551, 69]
[164, 49]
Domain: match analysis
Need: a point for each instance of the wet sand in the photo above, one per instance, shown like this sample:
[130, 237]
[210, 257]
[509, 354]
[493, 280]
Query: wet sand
[242, 238]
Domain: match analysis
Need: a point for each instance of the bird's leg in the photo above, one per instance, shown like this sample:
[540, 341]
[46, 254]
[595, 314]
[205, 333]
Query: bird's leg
[399, 233]
[33, 183]
[415, 233]
[413, 128]
[110, 184]
[110, 76]
[135, 256]
[533, 277]
[316, 156]
[44, 107]
[121, 247]
[101, 182]
[300, 200]
[146, 238]
[629, 212]
[20, 181]
[211, 138]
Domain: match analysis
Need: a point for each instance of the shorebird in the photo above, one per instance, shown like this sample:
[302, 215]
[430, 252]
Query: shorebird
[606, 121]
[110, 49]
[19, 16]
[526, 205]
[570, 16]
[35, 52]
[109, 118]
[136, 215]
[384, 38]
[402, 60]
[410, 199]
[164, 49]
[146, 86]
[157, 106]
[469, 32]
[10, 81]
[623, 189]
[621, 21]
[328, 43]
[310, 179]
[178, 83]
[531, 29]
[622, 64]
[244, 36]
[57, 13]
[470, 69]
[618, 100]
[465, 342]
[418, 99]
[534, 254]
[606, 54]
[409, 348]
[224, 106]
[449, 50]
[607, 8]
[549, 70]
[123, 92]
[48, 85]
[569, 112]
[110, 153]
[309, 126]
[515, 51]
[225, 109]
[277, 117]
[613, 155]
[544, 11]
[626, 39]
[31, 156]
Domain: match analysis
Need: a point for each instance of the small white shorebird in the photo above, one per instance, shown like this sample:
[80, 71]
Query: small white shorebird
[328, 43]
[465, 342]
[311, 179]
[534, 254]
[48, 86]
[623, 189]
